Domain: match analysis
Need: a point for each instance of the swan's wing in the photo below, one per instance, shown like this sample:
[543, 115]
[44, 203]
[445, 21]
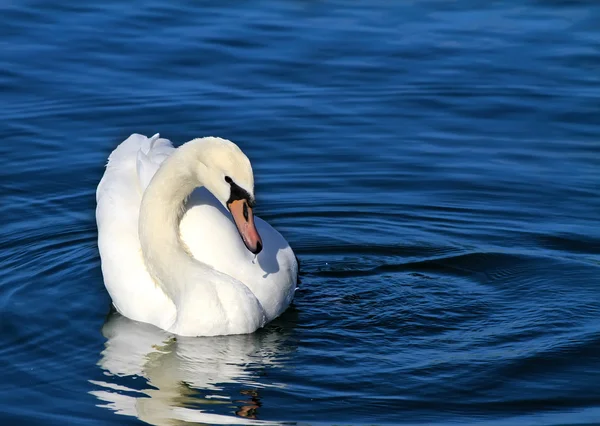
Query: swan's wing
[209, 233]
[119, 195]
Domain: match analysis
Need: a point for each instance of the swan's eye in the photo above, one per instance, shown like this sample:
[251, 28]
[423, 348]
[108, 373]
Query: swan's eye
[246, 211]
[228, 179]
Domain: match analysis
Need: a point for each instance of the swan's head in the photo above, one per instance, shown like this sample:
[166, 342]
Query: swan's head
[227, 173]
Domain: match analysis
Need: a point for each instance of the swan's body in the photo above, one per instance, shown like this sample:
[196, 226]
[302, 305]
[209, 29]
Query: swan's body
[176, 260]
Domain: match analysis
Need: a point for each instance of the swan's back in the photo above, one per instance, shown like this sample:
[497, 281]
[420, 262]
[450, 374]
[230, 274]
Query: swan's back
[118, 196]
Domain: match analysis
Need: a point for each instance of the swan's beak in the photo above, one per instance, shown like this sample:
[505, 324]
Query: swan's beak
[244, 220]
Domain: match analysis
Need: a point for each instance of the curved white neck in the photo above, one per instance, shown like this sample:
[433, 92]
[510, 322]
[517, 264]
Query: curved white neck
[160, 214]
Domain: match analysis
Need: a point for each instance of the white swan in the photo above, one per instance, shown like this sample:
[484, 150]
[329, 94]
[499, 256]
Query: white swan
[171, 254]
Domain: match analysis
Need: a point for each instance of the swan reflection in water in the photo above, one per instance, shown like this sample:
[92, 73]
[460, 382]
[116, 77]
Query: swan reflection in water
[214, 380]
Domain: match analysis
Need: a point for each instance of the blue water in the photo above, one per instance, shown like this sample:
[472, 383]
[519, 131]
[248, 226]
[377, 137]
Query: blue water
[435, 165]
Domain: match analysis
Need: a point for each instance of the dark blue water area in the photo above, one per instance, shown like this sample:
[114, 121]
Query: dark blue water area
[435, 165]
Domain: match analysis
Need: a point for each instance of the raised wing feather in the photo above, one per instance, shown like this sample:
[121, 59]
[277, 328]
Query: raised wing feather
[153, 151]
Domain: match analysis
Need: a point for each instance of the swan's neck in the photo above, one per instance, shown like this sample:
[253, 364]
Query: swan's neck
[161, 211]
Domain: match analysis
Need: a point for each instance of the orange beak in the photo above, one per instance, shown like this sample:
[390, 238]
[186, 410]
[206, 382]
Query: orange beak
[244, 220]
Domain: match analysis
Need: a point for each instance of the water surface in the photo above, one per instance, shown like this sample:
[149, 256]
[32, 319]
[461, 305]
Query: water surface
[435, 165]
